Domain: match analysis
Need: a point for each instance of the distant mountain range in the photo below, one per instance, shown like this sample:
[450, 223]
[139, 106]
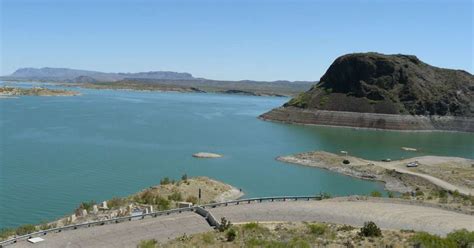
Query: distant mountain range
[157, 80]
[83, 76]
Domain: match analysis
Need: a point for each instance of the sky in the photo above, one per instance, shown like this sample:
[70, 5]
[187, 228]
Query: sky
[230, 39]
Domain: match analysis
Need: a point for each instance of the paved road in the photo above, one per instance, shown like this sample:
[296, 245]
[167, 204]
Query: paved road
[385, 215]
[162, 228]
[127, 234]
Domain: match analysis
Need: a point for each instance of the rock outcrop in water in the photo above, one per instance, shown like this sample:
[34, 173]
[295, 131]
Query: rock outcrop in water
[372, 90]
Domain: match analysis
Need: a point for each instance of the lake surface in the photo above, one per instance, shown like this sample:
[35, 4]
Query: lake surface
[56, 152]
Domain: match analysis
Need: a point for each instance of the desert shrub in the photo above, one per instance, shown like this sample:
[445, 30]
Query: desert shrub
[46, 226]
[225, 225]
[297, 242]
[406, 195]
[419, 193]
[147, 198]
[162, 203]
[25, 229]
[426, 240]
[151, 243]
[165, 181]
[6, 232]
[184, 177]
[370, 230]
[251, 225]
[325, 195]
[176, 196]
[254, 242]
[390, 194]
[192, 199]
[317, 229]
[345, 161]
[456, 194]
[345, 228]
[208, 238]
[375, 194]
[463, 238]
[442, 193]
[86, 205]
[116, 202]
[231, 235]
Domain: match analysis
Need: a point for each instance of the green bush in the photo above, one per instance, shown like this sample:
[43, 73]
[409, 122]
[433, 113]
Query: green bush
[375, 194]
[463, 238]
[116, 202]
[6, 232]
[426, 240]
[184, 177]
[162, 203]
[25, 229]
[192, 199]
[419, 193]
[231, 235]
[251, 225]
[317, 229]
[147, 243]
[390, 194]
[165, 181]
[176, 196]
[225, 225]
[147, 198]
[370, 230]
[86, 205]
[325, 195]
[442, 193]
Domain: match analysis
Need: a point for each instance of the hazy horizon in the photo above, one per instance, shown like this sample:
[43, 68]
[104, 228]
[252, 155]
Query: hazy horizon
[230, 40]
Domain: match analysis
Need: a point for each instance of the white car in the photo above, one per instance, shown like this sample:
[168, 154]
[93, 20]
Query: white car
[412, 164]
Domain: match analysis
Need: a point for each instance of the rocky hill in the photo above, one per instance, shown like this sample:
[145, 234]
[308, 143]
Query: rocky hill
[384, 85]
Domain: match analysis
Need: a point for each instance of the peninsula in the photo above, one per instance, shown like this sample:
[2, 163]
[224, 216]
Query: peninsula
[441, 180]
[36, 91]
[372, 90]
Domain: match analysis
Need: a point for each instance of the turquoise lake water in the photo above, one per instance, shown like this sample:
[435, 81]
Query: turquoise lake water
[56, 152]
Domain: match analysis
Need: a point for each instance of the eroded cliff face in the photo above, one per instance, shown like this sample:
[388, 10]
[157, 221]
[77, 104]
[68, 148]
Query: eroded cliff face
[357, 85]
[390, 84]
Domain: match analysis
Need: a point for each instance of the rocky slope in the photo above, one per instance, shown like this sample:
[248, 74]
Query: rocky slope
[397, 90]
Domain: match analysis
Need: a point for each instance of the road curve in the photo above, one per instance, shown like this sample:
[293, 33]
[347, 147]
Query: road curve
[436, 181]
[127, 234]
[162, 228]
[385, 215]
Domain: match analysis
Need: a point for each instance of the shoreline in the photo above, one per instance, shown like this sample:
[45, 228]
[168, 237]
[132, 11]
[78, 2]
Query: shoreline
[360, 128]
[432, 172]
[369, 121]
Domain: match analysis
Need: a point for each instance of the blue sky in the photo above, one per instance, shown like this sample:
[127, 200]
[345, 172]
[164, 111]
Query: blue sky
[224, 39]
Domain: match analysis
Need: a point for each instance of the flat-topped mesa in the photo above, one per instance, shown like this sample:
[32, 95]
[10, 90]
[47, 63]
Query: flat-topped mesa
[372, 90]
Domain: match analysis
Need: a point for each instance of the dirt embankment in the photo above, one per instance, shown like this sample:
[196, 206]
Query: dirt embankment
[295, 115]
[168, 194]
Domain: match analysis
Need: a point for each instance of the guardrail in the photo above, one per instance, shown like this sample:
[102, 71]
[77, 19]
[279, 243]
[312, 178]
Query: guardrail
[154, 214]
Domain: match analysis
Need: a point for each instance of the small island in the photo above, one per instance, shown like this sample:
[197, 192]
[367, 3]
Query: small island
[206, 155]
[6, 91]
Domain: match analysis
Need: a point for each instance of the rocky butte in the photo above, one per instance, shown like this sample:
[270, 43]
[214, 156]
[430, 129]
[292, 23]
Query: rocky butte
[372, 90]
